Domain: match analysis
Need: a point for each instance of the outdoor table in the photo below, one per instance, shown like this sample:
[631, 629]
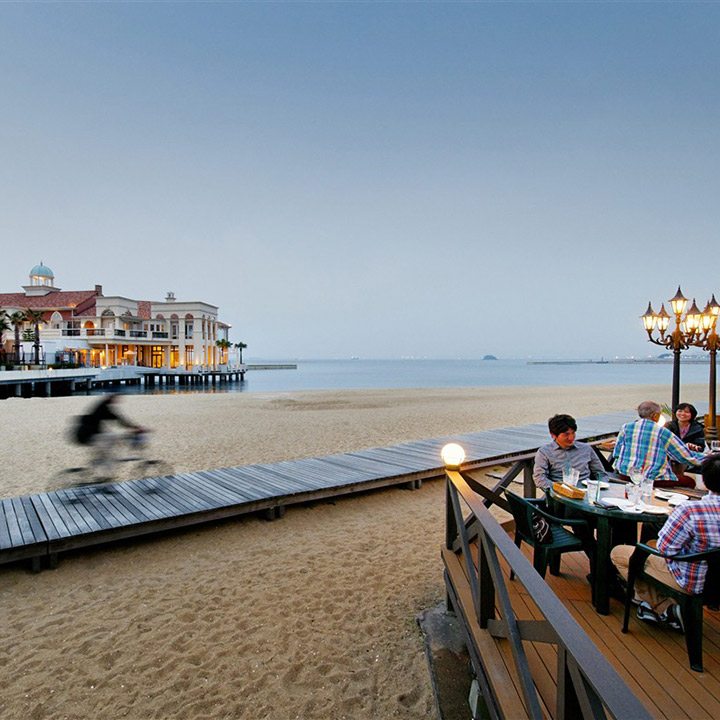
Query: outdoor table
[614, 527]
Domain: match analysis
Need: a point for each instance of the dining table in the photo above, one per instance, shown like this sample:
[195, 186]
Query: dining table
[617, 522]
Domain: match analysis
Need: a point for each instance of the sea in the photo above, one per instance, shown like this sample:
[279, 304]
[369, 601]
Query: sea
[355, 374]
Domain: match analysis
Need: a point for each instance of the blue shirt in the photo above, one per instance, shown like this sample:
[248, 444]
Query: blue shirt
[644, 444]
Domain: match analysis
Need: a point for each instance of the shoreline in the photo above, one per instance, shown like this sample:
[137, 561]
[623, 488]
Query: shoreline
[312, 615]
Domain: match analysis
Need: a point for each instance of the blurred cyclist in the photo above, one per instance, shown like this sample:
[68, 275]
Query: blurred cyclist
[91, 430]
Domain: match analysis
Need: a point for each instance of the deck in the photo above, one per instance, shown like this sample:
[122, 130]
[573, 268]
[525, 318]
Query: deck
[652, 661]
[40, 526]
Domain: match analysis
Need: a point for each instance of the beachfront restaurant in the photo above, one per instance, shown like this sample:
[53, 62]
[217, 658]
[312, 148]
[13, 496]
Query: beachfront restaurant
[545, 635]
[93, 330]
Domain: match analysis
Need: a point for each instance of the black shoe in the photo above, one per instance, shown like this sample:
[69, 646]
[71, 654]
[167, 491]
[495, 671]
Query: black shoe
[673, 618]
[647, 614]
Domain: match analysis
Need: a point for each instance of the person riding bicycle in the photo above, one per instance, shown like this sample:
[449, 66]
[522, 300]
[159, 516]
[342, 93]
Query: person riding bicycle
[91, 431]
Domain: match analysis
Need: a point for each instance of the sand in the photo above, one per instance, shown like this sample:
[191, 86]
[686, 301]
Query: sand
[310, 616]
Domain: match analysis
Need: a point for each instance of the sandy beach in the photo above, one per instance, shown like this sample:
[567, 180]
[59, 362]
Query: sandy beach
[310, 616]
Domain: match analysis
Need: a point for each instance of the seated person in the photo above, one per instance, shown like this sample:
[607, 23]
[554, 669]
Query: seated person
[685, 426]
[564, 453]
[692, 527]
[644, 444]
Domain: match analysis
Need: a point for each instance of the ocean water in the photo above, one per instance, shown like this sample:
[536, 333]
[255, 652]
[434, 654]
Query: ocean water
[419, 373]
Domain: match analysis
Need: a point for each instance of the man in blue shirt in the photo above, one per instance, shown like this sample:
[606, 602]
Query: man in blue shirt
[645, 445]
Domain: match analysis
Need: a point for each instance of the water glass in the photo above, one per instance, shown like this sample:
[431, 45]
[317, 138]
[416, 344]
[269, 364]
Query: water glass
[571, 477]
[634, 493]
[636, 474]
[647, 489]
[715, 446]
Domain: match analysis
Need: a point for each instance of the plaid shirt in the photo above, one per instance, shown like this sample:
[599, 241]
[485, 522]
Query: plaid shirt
[692, 527]
[643, 443]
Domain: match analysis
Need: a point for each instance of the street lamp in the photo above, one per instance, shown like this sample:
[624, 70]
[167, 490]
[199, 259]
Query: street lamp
[677, 341]
[696, 329]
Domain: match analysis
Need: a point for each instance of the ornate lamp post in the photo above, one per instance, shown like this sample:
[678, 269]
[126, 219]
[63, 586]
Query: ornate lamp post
[711, 344]
[696, 329]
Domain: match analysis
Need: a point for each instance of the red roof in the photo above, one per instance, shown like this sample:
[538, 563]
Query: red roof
[52, 301]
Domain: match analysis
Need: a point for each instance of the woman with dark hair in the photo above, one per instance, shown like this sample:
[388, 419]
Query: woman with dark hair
[685, 425]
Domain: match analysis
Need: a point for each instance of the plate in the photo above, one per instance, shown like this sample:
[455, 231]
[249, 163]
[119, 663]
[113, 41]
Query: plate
[603, 484]
[655, 509]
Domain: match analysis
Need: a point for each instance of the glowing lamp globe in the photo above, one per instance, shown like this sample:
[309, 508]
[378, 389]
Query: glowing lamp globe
[452, 455]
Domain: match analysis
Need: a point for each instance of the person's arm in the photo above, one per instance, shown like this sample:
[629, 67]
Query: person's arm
[680, 452]
[619, 442]
[541, 471]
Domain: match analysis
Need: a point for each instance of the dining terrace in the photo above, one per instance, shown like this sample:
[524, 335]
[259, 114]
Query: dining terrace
[539, 647]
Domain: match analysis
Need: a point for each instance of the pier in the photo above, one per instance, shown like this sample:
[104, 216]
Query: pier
[49, 382]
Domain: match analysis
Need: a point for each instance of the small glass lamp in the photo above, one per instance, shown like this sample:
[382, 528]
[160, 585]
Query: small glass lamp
[452, 455]
[694, 317]
[679, 302]
[663, 320]
[649, 318]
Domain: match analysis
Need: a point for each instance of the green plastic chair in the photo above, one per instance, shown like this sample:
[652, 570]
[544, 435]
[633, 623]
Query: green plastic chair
[691, 606]
[563, 540]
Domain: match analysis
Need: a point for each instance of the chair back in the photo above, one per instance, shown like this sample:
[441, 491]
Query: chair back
[711, 590]
[522, 511]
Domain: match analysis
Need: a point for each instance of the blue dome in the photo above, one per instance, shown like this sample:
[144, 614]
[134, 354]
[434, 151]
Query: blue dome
[42, 271]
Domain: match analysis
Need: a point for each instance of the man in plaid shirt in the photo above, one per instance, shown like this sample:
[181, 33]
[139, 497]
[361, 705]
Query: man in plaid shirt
[644, 444]
[693, 527]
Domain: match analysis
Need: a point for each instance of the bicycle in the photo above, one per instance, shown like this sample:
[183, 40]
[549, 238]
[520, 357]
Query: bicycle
[133, 467]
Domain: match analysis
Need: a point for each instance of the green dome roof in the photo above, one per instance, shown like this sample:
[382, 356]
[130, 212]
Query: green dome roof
[42, 270]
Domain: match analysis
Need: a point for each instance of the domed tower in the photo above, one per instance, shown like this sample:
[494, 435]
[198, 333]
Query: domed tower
[42, 281]
[42, 275]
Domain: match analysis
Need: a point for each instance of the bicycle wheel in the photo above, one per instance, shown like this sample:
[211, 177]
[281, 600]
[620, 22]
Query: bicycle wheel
[71, 477]
[153, 471]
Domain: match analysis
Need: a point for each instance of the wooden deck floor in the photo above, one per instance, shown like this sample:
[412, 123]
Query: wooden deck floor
[652, 661]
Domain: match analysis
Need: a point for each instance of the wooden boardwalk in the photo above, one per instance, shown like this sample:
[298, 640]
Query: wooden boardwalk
[42, 525]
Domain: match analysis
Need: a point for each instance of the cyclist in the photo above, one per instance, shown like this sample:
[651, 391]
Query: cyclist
[91, 431]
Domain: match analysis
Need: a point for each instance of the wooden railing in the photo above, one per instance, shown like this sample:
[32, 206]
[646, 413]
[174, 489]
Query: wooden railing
[587, 684]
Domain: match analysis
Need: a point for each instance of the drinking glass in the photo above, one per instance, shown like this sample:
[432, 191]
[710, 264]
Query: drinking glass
[715, 446]
[647, 488]
[636, 474]
[634, 494]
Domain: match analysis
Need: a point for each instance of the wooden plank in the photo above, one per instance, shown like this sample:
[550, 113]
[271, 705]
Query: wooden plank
[50, 514]
[13, 527]
[37, 529]
[82, 522]
[5, 538]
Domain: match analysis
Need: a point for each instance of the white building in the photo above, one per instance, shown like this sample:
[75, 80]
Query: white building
[95, 330]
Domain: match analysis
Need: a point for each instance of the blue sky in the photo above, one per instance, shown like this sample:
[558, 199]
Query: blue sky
[370, 179]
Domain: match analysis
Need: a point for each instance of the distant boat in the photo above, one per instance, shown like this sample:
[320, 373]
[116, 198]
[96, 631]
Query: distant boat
[489, 357]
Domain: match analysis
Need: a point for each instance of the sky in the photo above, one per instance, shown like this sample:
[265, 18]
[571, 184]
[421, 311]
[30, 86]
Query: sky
[370, 179]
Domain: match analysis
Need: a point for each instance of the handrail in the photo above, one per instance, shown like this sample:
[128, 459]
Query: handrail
[587, 682]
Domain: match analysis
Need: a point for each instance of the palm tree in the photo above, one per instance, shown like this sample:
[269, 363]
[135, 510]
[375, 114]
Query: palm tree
[240, 346]
[17, 319]
[4, 325]
[35, 317]
[224, 345]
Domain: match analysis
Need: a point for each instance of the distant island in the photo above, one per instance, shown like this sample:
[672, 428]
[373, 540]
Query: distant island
[489, 357]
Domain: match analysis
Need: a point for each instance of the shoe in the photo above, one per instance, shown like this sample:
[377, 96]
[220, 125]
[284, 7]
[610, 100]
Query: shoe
[673, 618]
[647, 614]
